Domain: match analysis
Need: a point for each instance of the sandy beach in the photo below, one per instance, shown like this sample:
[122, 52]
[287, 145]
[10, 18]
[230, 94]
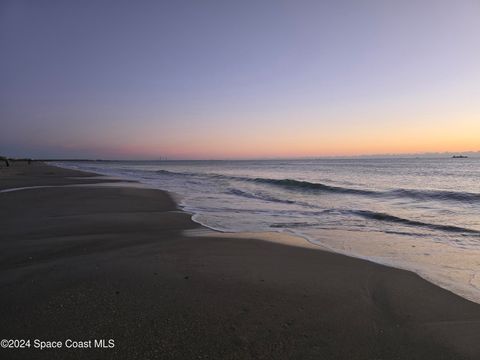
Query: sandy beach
[117, 262]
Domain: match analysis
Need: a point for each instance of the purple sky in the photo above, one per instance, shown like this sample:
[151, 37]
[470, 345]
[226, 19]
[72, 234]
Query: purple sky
[216, 79]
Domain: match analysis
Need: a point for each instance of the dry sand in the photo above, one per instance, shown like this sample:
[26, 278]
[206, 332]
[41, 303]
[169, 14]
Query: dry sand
[115, 262]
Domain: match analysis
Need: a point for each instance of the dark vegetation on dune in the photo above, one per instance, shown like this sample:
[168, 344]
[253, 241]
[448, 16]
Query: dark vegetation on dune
[6, 161]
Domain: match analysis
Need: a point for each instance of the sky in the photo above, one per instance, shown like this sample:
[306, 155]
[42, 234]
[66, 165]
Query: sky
[238, 79]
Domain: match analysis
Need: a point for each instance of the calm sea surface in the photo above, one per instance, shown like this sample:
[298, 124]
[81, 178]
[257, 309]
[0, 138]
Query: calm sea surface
[419, 214]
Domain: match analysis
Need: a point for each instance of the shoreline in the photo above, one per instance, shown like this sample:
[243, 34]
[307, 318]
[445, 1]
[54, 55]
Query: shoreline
[458, 277]
[99, 261]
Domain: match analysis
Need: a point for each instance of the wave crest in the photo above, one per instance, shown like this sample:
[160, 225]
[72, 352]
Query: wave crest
[302, 185]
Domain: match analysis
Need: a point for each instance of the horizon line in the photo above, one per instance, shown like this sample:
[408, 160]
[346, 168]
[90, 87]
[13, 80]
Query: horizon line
[314, 157]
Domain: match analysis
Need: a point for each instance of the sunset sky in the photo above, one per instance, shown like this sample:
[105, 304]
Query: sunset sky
[238, 79]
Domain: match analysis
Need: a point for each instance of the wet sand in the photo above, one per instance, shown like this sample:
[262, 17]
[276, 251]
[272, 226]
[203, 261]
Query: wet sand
[95, 262]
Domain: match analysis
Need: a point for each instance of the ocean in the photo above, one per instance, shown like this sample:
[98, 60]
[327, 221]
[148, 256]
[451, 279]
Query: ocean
[419, 214]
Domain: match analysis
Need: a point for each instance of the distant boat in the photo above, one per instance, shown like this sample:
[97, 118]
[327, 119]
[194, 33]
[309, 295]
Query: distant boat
[459, 157]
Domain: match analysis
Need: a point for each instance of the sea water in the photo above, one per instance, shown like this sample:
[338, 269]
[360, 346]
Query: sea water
[419, 214]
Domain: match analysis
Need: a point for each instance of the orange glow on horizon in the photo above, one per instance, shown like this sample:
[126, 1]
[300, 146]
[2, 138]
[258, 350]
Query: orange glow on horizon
[312, 142]
[296, 148]
[308, 139]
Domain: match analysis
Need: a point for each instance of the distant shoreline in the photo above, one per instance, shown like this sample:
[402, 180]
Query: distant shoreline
[363, 157]
[428, 155]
